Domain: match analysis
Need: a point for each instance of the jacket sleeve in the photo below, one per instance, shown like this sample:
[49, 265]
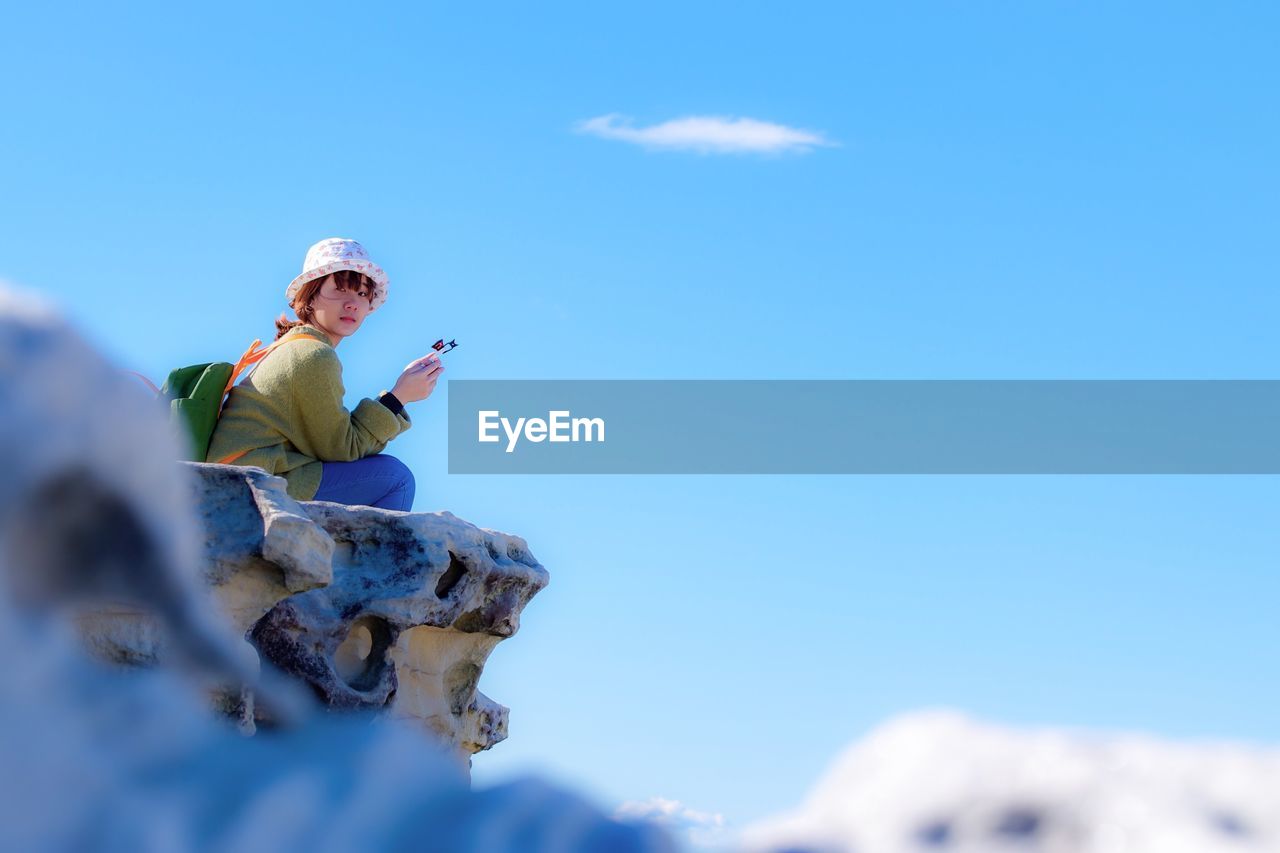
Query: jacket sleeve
[326, 429]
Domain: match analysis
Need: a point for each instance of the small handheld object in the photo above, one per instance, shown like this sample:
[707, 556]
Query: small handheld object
[441, 347]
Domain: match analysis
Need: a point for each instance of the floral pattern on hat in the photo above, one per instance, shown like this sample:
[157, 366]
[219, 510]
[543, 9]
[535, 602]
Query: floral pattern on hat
[339, 253]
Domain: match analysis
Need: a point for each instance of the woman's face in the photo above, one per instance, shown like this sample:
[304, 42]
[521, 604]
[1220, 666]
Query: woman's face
[338, 311]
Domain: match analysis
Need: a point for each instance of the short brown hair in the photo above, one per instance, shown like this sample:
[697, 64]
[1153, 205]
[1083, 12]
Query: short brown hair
[306, 295]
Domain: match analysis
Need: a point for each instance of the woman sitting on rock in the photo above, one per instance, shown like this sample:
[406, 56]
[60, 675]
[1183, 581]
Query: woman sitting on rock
[287, 416]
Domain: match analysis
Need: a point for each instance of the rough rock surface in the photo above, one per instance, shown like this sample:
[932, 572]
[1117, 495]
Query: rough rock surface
[257, 547]
[417, 603]
[260, 546]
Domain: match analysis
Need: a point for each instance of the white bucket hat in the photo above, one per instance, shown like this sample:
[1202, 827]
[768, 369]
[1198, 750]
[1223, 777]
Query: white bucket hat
[339, 253]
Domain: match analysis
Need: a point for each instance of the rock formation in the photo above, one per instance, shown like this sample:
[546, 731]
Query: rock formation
[98, 529]
[257, 547]
[418, 601]
[374, 609]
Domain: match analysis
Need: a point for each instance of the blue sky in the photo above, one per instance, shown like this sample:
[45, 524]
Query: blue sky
[1036, 190]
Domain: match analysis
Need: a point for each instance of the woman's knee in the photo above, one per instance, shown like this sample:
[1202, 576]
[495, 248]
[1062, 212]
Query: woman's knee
[394, 469]
[398, 473]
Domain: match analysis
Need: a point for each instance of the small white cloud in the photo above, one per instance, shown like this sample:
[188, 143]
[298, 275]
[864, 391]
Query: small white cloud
[707, 134]
[701, 829]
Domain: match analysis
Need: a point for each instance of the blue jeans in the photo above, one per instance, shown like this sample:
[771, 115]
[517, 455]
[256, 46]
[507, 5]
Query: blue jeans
[381, 481]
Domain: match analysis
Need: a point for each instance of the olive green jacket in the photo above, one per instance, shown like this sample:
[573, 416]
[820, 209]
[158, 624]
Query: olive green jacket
[287, 416]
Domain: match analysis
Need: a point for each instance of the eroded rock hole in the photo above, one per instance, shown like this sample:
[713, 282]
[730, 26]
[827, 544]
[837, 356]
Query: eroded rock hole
[362, 655]
[344, 552]
[456, 572]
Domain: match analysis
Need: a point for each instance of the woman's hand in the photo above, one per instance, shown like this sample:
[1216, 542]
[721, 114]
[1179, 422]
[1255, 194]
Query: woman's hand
[418, 379]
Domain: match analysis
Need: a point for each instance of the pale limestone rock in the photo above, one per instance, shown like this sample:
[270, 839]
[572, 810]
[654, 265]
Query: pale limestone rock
[417, 603]
[95, 516]
[257, 547]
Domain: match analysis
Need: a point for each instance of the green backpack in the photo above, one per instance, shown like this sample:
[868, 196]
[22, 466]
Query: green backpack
[196, 394]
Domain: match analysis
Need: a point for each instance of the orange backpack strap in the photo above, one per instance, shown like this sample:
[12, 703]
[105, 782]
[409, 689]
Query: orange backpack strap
[254, 354]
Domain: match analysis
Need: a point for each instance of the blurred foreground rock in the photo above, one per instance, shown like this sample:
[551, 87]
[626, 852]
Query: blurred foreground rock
[939, 781]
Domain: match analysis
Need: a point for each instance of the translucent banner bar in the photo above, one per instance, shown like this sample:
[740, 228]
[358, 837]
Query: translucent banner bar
[864, 427]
